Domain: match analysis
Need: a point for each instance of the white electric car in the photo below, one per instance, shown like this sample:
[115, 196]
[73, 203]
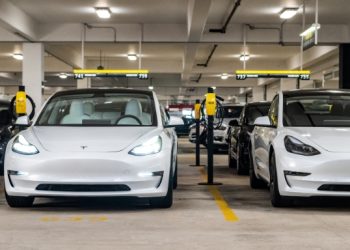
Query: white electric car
[302, 147]
[94, 143]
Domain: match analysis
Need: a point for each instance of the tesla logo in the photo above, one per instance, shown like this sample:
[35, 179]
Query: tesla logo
[83, 147]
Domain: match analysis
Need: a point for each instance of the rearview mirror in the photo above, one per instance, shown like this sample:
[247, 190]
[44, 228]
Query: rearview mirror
[233, 123]
[262, 121]
[22, 121]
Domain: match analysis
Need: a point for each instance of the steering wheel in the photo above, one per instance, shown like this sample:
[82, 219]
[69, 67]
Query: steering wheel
[128, 116]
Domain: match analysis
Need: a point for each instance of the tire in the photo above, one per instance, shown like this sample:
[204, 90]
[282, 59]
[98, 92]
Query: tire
[255, 183]
[277, 200]
[175, 177]
[242, 169]
[18, 201]
[166, 201]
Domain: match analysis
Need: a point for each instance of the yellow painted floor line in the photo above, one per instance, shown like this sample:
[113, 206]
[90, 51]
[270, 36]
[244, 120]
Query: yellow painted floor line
[227, 212]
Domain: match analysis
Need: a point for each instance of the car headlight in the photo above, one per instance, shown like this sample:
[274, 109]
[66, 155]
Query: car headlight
[295, 146]
[152, 146]
[22, 146]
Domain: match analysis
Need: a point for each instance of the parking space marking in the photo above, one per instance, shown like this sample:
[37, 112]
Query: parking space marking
[76, 218]
[227, 212]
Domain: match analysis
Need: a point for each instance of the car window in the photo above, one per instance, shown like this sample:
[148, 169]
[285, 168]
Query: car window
[321, 110]
[231, 112]
[102, 109]
[273, 112]
[253, 112]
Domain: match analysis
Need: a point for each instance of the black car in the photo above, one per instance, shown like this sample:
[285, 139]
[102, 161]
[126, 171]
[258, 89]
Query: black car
[5, 134]
[239, 135]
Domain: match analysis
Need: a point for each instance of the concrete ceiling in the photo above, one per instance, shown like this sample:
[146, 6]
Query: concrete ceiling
[174, 33]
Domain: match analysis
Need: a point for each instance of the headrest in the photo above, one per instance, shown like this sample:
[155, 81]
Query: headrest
[88, 108]
[337, 108]
[76, 108]
[133, 107]
[295, 108]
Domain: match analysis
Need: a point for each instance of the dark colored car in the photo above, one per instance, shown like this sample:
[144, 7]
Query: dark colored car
[239, 135]
[5, 134]
[185, 128]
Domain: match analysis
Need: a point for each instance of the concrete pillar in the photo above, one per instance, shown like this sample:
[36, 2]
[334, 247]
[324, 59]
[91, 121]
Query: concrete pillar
[344, 64]
[84, 83]
[258, 93]
[33, 71]
[288, 84]
[2, 90]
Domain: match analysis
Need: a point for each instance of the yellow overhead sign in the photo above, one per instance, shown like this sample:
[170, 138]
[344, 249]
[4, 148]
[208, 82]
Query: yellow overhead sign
[134, 73]
[298, 74]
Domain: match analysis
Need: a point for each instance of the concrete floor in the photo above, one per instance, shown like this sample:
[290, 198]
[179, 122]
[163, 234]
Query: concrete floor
[194, 222]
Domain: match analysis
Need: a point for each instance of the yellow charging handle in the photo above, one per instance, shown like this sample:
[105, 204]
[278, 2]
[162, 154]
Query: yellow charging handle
[210, 104]
[197, 111]
[21, 103]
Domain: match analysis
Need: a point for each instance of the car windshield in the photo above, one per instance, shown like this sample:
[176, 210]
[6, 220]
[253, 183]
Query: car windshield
[231, 112]
[254, 112]
[4, 106]
[99, 109]
[323, 110]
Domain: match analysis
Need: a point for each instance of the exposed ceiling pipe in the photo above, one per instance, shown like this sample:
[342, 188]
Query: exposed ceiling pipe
[89, 26]
[48, 52]
[198, 79]
[209, 57]
[224, 27]
[280, 30]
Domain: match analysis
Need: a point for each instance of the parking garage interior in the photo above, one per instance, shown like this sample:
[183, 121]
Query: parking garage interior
[251, 53]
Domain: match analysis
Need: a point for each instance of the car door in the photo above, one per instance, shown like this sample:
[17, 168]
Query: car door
[263, 136]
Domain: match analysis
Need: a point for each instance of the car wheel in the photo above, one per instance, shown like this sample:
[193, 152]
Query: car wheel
[175, 177]
[240, 163]
[255, 183]
[18, 201]
[277, 200]
[166, 201]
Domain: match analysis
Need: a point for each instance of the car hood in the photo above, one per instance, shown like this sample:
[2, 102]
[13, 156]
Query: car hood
[88, 139]
[330, 139]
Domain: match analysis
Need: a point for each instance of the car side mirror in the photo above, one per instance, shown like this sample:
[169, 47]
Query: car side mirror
[22, 121]
[263, 121]
[233, 123]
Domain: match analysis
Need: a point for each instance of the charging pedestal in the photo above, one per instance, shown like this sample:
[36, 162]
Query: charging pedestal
[197, 111]
[210, 105]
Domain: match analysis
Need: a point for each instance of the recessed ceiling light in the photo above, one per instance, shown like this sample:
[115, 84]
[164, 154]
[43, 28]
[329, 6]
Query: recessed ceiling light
[244, 57]
[132, 57]
[288, 13]
[224, 76]
[17, 56]
[150, 87]
[63, 75]
[103, 13]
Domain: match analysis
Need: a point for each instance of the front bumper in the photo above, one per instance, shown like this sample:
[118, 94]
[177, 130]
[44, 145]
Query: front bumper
[327, 174]
[145, 176]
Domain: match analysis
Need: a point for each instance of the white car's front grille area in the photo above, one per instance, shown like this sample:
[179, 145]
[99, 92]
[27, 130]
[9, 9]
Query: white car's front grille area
[334, 188]
[83, 188]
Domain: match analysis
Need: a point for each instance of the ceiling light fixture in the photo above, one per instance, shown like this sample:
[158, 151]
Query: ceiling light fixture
[150, 87]
[103, 13]
[63, 76]
[17, 56]
[132, 57]
[244, 57]
[288, 13]
[224, 76]
[312, 28]
[213, 87]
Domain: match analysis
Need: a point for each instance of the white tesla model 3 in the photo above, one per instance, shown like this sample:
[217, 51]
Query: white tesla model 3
[94, 143]
[302, 147]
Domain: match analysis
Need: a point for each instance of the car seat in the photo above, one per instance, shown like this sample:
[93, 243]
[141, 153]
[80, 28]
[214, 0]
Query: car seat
[133, 107]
